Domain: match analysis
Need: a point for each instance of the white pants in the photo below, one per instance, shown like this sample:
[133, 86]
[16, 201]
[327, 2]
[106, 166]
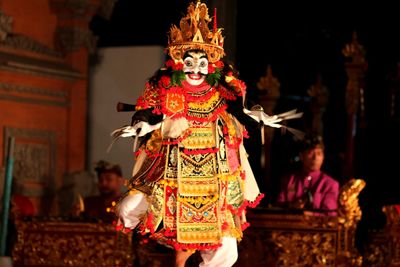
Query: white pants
[131, 210]
[224, 256]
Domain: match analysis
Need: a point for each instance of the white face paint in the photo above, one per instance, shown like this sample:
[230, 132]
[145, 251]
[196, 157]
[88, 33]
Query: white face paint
[195, 67]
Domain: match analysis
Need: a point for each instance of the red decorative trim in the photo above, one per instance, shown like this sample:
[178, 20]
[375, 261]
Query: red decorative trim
[119, 227]
[205, 97]
[253, 204]
[149, 222]
[126, 230]
[200, 151]
[209, 119]
[141, 103]
[196, 88]
[137, 152]
[149, 98]
[201, 246]
[148, 153]
[245, 133]
[156, 111]
[225, 93]
[151, 154]
[235, 143]
[232, 209]
[243, 175]
[169, 233]
[246, 203]
[245, 226]
[178, 140]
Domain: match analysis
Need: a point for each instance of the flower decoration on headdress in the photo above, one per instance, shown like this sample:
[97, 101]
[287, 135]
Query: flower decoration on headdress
[214, 72]
[177, 74]
[174, 65]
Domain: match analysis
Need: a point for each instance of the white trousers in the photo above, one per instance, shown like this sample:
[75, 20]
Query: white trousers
[132, 209]
[224, 256]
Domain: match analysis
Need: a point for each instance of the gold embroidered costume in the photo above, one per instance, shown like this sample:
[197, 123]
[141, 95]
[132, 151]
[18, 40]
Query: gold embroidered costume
[198, 183]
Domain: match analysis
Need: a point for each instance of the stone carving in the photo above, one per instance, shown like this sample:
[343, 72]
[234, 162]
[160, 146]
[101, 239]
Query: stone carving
[31, 162]
[34, 160]
[31, 94]
[23, 42]
[5, 26]
[70, 39]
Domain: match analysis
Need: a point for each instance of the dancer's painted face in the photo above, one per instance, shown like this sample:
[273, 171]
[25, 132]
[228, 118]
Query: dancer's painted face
[195, 67]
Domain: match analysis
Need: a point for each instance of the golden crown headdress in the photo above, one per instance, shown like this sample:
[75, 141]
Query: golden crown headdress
[193, 33]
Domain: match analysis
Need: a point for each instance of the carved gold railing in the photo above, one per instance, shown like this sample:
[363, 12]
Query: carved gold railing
[288, 240]
[349, 214]
[77, 244]
[383, 246]
[304, 240]
[392, 232]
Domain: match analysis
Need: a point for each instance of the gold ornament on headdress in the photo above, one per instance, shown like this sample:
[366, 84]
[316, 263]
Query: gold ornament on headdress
[193, 33]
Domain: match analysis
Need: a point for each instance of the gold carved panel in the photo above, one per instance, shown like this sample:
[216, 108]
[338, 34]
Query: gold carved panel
[71, 244]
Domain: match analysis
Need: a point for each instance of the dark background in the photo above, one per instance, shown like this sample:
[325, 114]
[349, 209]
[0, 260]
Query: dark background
[301, 42]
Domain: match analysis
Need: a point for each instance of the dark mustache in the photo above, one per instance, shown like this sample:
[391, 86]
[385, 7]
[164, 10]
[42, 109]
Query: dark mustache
[191, 72]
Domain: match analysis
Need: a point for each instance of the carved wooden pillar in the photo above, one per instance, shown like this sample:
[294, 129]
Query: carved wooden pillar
[319, 99]
[269, 93]
[355, 69]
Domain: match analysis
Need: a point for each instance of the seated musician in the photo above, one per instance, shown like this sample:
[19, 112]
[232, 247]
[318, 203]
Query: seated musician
[310, 188]
[110, 181]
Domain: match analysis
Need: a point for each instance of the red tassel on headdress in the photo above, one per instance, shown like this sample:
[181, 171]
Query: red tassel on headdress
[215, 19]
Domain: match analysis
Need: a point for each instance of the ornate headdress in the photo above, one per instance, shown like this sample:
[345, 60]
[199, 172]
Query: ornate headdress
[193, 33]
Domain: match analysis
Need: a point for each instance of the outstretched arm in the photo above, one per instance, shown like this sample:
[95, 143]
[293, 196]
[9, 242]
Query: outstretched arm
[235, 107]
[146, 115]
[143, 122]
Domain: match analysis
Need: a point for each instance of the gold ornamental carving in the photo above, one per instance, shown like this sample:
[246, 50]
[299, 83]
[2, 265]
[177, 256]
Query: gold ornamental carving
[349, 211]
[349, 214]
[316, 247]
[71, 244]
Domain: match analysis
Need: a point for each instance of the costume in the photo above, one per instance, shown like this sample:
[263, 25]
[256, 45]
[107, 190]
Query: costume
[316, 187]
[192, 181]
